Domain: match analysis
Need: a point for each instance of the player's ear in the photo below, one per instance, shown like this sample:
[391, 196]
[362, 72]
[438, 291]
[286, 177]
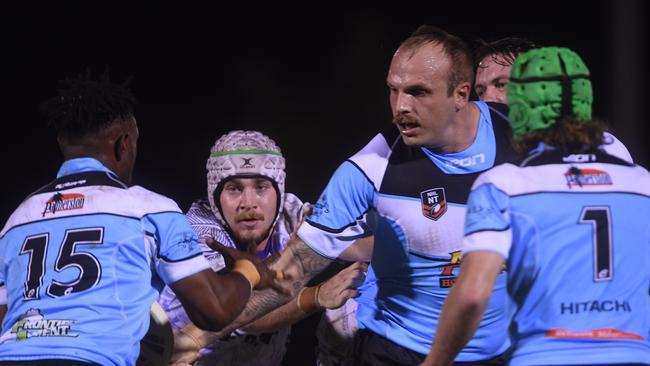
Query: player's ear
[461, 94]
[122, 144]
[119, 148]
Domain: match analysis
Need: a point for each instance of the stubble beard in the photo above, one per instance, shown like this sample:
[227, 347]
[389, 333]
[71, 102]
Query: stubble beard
[248, 241]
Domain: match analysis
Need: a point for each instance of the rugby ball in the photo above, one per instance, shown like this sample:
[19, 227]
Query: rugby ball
[158, 344]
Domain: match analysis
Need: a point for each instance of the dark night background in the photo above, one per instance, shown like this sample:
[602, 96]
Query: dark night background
[310, 75]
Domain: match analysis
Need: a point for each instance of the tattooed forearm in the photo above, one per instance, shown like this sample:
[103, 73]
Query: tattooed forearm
[260, 303]
[299, 263]
[311, 263]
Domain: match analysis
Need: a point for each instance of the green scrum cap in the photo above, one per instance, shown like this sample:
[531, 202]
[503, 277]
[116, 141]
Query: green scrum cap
[546, 84]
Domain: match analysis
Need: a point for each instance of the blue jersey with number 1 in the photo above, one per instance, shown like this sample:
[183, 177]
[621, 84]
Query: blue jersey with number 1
[81, 261]
[575, 229]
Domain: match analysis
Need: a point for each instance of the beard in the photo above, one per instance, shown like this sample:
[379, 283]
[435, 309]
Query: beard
[248, 240]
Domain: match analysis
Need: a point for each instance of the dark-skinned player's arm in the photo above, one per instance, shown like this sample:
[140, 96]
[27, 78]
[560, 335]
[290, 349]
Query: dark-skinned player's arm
[213, 300]
[298, 262]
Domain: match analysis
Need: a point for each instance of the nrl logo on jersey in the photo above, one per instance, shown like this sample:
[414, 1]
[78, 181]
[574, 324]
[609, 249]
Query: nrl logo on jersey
[64, 202]
[434, 203]
[586, 177]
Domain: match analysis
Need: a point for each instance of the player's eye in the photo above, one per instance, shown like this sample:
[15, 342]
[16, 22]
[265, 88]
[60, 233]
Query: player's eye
[501, 84]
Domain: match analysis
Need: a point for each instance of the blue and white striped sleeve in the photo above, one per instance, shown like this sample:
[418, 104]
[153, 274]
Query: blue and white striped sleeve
[338, 218]
[176, 251]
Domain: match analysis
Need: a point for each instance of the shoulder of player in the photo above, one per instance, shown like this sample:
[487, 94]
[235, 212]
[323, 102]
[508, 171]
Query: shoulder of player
[379, 146]
[502, 176]
[11, 222]
[135, 202]
[147, 201]
[372, 160]
[30, 208]
[639, 178]
[292, 213]
[293, 206]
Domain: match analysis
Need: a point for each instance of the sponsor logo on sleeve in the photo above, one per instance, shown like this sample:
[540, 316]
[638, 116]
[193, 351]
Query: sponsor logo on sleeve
[321, 207]
[64, 202]
[434, 203]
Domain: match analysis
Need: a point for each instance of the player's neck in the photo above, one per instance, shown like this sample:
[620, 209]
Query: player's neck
[462, 132]
[262, 245]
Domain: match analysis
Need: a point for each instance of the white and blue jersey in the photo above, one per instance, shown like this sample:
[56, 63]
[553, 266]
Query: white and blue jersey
[82, 260]
[413, 201]
[575, 231]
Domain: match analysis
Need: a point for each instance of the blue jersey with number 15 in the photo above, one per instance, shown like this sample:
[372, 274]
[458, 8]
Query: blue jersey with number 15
[81, 262]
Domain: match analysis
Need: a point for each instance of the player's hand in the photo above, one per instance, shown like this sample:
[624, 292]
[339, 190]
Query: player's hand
[269, 278]
[338, 289]
[230, 255]
[307, 210]
[272, 258]
[186, 350]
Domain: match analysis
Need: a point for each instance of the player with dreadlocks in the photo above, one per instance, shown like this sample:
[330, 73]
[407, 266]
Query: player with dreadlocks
[84, 257]
[569, 220]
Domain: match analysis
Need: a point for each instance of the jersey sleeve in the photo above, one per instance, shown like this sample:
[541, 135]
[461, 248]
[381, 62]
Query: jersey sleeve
[339, 216]
[487, 222]
[175, 248]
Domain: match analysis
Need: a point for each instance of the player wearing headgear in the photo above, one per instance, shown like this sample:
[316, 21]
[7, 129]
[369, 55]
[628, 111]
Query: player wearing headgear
[247, 209]
[570, 222]
[495, 61]
[408, 187]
